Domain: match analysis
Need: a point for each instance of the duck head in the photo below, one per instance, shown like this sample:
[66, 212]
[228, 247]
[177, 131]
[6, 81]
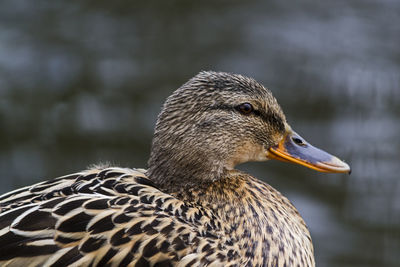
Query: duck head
[218, 120]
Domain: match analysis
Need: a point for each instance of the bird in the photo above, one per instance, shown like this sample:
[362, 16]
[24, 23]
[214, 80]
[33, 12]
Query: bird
[190, 207]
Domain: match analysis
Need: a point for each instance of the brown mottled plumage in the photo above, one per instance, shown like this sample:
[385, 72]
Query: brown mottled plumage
[190, 208]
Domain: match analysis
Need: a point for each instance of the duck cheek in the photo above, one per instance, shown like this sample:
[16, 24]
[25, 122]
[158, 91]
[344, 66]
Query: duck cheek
[245, 153]
[261, 156]
[259, 153]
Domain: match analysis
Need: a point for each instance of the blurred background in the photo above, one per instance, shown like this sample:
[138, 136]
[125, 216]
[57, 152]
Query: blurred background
[82, 82]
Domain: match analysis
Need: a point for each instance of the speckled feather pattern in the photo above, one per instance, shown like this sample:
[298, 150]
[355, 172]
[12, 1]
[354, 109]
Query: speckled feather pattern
[117, 217]
[189, 208]
[198, 131]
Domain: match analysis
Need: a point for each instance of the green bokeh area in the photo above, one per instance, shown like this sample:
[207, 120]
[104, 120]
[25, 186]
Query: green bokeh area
[82, 82]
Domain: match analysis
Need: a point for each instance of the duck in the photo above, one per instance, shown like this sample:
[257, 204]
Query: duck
[190, 207]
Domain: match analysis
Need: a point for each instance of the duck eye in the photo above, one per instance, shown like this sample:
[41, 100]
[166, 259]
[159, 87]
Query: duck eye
[245, 108]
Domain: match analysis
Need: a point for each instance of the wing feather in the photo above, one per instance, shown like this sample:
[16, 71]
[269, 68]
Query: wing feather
[111, 216]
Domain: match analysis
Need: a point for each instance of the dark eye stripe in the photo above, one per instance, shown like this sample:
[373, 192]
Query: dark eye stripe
[257, 112]
[273, 119]
[269, 117]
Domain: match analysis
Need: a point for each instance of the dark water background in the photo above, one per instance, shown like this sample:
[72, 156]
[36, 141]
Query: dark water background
[82, 82]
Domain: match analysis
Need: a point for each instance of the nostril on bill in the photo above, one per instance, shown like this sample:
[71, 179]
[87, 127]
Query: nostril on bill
[298, 141]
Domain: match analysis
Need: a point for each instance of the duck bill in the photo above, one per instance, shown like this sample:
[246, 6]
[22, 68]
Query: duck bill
[293, 148]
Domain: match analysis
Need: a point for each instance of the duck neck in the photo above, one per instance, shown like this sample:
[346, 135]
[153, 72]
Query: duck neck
[256, 217]
[174, 173]
[235, 202]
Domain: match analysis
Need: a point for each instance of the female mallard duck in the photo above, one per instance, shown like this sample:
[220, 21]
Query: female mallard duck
[190, 208]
